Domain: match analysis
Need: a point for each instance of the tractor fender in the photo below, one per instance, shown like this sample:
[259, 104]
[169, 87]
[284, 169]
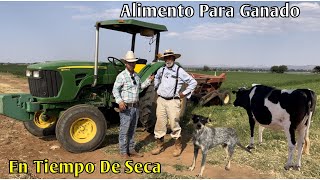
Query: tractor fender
[150, 69]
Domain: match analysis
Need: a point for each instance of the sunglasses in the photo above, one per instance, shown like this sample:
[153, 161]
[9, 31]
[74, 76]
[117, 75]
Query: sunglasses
[134, 81]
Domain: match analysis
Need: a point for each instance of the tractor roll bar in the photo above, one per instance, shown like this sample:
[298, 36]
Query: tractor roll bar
[133, 42]
[95, 74]
[157, 48]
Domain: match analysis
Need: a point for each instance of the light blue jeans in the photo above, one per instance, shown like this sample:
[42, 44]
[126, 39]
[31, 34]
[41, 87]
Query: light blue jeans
[128, 125]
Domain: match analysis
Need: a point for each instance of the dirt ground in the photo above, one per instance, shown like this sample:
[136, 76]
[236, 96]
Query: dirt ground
[16, 143]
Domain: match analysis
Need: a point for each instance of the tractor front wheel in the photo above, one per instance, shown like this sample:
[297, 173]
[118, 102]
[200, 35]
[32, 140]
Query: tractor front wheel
[41, 125]
[81, 128]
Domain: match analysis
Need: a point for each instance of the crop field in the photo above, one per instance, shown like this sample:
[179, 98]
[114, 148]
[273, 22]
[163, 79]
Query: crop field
[271, 155]
[19, 70]
[246, 79]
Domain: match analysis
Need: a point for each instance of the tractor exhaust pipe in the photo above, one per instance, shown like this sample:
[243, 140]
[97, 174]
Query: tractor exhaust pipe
[95, 73]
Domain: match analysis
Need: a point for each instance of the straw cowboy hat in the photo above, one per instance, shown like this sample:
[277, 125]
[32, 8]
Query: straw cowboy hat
[169, 52]
[129, 57]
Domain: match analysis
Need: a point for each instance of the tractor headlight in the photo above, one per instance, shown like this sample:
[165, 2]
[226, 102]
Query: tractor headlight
[36, 74]
[28, 73]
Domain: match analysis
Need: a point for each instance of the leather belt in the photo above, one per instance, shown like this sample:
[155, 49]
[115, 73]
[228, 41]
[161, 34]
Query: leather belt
[136, 104]
[169, 98]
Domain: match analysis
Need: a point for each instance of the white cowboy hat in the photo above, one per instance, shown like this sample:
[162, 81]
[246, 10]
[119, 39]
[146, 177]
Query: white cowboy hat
[169, 52]
[129, 57]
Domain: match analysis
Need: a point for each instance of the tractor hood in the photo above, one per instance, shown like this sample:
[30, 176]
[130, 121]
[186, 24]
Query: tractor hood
[54, 65]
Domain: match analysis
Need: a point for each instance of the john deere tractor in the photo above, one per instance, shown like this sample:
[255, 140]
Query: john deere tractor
[73, 99]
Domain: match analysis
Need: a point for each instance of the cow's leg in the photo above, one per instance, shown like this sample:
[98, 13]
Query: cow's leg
[261, 128]
[252, 123]
[291, 145]
[301, 137]
[306, 147]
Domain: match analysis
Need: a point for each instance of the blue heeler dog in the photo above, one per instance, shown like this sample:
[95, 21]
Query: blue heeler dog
[205, 138]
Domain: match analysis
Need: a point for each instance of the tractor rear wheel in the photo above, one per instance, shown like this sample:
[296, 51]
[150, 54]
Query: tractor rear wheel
[39, 126]
[148, 106]
[81, 128]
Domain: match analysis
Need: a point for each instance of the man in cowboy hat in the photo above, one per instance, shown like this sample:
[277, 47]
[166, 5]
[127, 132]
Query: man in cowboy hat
[126, 92]
[168, 82]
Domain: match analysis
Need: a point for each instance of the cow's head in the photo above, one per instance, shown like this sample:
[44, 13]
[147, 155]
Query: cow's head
[242, 98]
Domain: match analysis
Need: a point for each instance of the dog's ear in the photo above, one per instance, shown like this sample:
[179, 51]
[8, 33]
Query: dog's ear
[234, 92]
[209, 120]
[194, 118]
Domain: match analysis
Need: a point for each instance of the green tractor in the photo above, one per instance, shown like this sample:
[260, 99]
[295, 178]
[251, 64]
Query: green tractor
[73, 99]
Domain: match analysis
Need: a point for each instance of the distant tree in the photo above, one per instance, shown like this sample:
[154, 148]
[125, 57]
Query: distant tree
[279, 69]
[206, 68]
[316, 69]
[274, 69]
[282, 69]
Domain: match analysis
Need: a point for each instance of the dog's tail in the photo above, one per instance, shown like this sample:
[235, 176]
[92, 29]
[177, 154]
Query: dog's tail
[244, 148]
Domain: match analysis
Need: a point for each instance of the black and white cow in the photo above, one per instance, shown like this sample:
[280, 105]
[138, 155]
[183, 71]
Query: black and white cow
[289, 110]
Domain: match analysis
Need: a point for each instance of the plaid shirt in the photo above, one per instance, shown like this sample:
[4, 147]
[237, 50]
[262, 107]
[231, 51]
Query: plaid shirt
[124, 88]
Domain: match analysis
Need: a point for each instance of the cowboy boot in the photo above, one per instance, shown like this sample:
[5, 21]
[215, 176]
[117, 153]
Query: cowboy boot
[177, 147]
[159, 147]
[134, 153]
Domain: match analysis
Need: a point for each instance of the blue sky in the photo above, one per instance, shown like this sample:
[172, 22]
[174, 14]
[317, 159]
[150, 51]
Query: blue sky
[47, 31]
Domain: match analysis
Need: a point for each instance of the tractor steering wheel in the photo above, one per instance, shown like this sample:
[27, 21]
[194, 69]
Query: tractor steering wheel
[114, 59]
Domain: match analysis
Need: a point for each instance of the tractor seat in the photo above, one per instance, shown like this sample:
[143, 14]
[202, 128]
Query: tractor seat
[141, 61]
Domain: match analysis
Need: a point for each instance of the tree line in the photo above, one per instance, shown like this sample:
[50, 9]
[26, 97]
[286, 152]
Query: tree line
[273, 69]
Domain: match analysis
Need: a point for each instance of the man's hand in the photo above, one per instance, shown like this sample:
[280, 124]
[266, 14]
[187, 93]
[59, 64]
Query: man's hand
[151, 77]
[122, 106]
[181, 95]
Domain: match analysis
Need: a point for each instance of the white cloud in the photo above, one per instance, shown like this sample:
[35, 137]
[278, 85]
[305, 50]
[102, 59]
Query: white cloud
[307, 6]
[172, 34]
[309, 20]
[79, 8]
[228, 30]
[107, 14]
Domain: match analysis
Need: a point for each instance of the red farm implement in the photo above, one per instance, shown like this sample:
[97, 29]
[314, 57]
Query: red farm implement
[207, 92]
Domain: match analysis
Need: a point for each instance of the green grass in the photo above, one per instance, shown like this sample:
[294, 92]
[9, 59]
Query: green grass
[19, 70]
[245, 79]
[180, 167]
[271, 155]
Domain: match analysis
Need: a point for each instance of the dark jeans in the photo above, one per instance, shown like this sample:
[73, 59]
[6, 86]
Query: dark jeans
[128, 124]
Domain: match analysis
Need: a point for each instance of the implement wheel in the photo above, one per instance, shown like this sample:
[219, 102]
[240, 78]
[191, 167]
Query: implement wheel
[81, 128]
[225, 97]
[40, 125]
